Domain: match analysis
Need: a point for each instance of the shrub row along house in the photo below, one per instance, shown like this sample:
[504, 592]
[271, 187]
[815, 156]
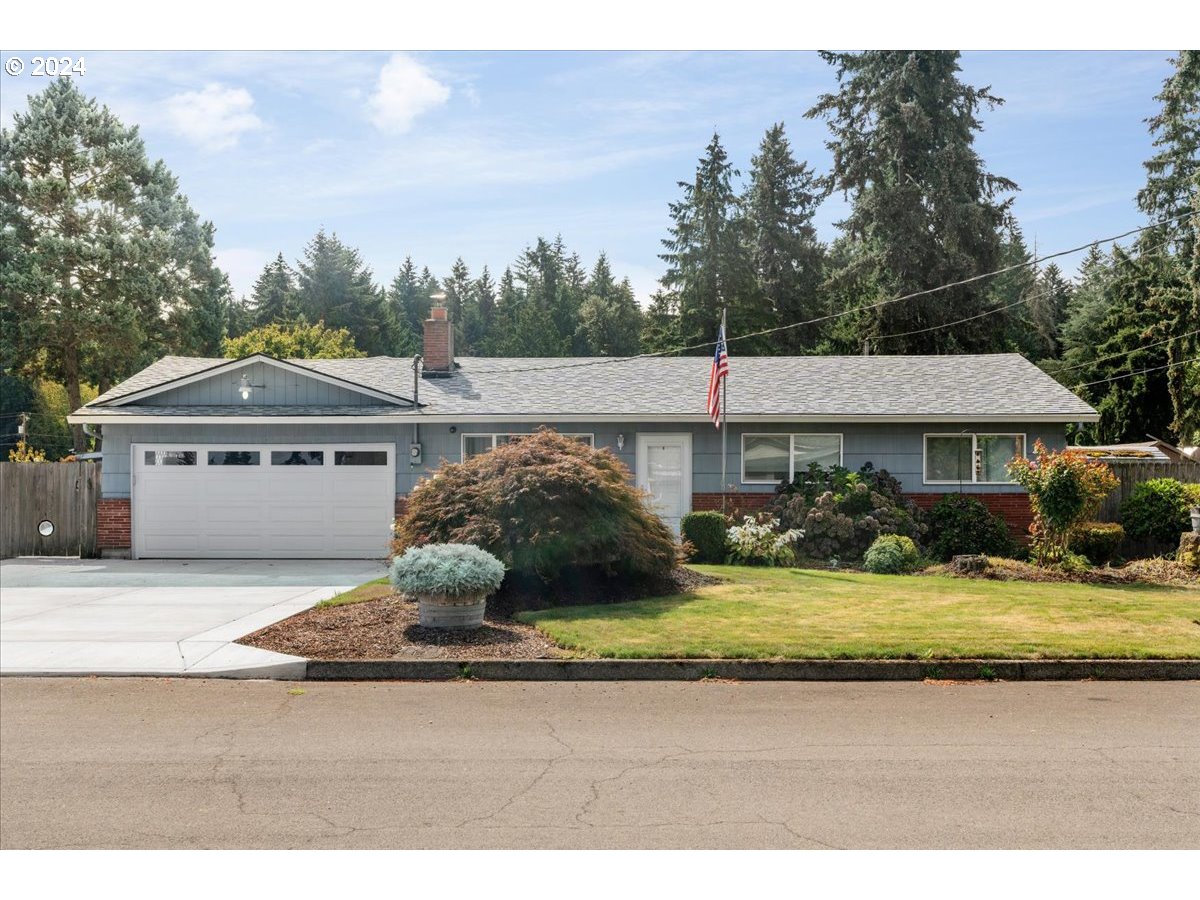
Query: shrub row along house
[261, 457]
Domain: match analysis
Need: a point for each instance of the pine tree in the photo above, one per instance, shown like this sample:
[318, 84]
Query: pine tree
[660, 323]
[509, 299]
[925, 211]
[610, 319]
[1010, 295]
[459, 303]
[708, 259]
[1172, 190]
[545, 325]
[335, 287]
[274, 297]
[780, 203]
[98, 247]
[408, 301]
[479, 318]
[1048, 311]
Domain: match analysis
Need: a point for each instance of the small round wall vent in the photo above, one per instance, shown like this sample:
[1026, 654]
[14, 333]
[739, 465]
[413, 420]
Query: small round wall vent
[45, 528]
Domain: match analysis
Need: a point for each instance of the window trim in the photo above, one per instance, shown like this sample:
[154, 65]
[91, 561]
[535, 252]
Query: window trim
[974, 436]
[462, 443]
[791, 436]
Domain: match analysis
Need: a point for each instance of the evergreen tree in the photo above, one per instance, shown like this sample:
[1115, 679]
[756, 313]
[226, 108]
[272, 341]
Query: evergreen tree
[335, 287]
[1048, 310]
[610, 319]
[925, 211]
[97, 248]
[274, 297]
[780, 203]
[459, 303]
[660, 323]
[509, 299]
[408, 301]
[1010, 295]
[545, 324]
[708, 260]
[1173, 189]
[479, 317]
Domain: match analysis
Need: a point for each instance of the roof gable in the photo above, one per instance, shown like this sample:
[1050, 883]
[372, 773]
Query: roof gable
[190, 381]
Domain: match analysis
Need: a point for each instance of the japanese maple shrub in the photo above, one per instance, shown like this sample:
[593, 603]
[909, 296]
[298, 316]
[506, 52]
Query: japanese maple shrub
[1066, 490]
[542, 504]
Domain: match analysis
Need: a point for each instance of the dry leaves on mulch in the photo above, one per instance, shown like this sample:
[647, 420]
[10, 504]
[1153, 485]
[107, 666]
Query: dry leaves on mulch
[388, 629]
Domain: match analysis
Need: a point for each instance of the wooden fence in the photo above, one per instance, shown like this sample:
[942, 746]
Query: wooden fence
[61, 494]
[1133, 472]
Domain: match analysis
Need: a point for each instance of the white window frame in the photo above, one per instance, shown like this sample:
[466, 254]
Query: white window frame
[462, 444]
[791, 436]
[974, 436]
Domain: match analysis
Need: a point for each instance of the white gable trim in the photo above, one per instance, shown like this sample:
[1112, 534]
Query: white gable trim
[236, 364]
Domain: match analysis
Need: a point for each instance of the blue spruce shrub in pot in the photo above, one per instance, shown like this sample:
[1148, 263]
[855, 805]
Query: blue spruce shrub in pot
[451, 583]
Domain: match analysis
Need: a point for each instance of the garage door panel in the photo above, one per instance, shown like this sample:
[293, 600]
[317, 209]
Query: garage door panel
[263, 510]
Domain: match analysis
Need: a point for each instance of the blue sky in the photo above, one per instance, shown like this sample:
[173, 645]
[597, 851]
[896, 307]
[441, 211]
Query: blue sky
[476, 154]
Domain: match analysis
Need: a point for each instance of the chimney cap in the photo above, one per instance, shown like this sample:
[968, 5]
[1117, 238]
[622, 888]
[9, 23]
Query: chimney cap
[438, 298]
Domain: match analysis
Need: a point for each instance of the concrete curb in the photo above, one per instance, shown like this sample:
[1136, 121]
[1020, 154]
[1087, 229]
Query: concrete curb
[754, 670]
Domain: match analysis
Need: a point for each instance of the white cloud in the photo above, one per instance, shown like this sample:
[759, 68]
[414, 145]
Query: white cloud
[214, 118]
[405, 90]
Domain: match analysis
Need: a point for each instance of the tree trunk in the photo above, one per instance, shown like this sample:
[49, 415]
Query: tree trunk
[71, 383]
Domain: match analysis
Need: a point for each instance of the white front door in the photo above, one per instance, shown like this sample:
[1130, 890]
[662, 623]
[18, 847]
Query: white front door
[263, 500]
[664, 468]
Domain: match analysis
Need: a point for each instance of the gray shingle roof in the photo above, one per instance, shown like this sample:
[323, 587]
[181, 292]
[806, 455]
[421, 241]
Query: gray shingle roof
[985, 386]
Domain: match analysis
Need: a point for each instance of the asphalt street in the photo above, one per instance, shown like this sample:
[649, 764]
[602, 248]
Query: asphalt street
[206, 763]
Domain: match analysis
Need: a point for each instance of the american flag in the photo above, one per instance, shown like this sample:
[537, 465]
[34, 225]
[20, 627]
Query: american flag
[720, 370]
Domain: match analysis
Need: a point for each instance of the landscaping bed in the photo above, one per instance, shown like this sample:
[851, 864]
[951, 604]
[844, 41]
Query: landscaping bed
[374, 622]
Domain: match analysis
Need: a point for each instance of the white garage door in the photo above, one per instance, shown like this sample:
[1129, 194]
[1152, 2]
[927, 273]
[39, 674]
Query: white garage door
[264, 500]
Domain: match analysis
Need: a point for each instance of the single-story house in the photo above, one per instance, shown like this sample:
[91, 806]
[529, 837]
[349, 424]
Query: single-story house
[312, 458]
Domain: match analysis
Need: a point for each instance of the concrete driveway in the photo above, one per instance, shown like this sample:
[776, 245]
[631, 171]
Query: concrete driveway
[158, 617]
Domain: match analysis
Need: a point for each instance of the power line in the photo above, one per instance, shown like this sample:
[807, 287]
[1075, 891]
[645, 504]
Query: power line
[1181, 362]
[600, 361]
[1099, 359]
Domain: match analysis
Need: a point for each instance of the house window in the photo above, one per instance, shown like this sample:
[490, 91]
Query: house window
[971, 458]
[771, 458]
[474, 444]
[297, 457]
[233, 457]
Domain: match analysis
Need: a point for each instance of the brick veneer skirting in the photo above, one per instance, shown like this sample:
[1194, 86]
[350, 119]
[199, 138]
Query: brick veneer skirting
[1013, 508]
[735, 500]
[112, 524]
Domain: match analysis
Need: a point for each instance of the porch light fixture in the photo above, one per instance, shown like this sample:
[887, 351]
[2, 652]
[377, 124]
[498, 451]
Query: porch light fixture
[620, 442]
[245, 387]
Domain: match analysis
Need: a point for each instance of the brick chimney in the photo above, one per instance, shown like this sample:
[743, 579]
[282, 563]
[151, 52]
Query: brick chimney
[439, 342]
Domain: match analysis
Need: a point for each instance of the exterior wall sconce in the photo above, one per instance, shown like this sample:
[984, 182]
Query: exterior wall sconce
[620, 442]
[245, 387]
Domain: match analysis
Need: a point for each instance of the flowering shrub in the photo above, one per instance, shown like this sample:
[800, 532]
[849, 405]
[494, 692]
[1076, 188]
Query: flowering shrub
[892, 554]
[448, 570]
[841, 513]
[1065, 490]
[756, 543]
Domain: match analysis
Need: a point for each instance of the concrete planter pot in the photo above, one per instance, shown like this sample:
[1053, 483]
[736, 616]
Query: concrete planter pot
[443, 611]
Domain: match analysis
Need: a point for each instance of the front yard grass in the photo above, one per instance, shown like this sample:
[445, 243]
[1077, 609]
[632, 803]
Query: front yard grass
[807, 614]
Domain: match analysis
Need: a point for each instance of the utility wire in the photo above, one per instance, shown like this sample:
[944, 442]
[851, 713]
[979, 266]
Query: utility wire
[600, 361]
[1099, 359]
[1181, 362]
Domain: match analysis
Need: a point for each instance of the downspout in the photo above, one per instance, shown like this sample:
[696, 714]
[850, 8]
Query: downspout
[95, 436]
[416, 367]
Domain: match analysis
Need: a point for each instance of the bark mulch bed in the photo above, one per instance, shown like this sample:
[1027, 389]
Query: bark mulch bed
[387, 628]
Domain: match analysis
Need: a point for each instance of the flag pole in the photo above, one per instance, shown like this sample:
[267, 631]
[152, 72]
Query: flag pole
[724, 430]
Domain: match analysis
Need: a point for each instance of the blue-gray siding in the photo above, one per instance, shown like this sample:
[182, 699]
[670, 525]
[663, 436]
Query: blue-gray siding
[895, 447]
[279, 388]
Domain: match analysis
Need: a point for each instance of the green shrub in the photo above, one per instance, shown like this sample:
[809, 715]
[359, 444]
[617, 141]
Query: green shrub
[1098, 541]
[756, 543]
[542, 504]
[452, 570]
[1065, 489]
[1157, 510]
[842, 512]
[706, 532]
[960, 524]
[1073, 564]
[892, 554]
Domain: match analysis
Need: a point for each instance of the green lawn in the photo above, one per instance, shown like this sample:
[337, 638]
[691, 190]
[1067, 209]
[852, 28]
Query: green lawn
[794, 613]
[372, 590]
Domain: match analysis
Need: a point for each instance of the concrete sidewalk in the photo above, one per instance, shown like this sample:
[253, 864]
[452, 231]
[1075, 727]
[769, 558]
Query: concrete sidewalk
[158, 617]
